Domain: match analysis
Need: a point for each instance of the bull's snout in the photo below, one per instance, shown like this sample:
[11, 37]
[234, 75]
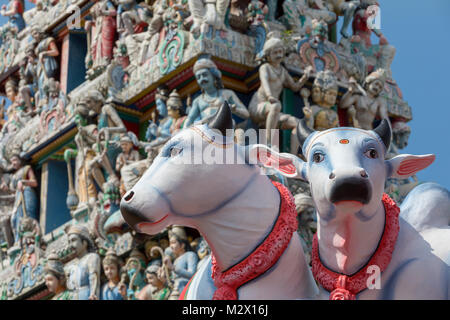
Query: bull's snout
[129, 213]
[350, 187]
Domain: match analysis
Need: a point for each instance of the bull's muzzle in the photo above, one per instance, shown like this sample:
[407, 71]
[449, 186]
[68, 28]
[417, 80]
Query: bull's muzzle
[132, 216]
[351, 188]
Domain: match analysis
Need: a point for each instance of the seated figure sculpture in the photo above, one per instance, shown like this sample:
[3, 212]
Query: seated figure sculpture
[209, 78]
[265, 106]
[209, 12]
[322, 114]
[364, 105]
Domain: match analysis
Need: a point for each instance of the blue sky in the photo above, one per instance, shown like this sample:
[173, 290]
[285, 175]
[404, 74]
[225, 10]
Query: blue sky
[419, 31]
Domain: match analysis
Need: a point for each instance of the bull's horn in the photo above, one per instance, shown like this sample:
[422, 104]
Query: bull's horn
[384, 131]
[222, 120]
[303, 132]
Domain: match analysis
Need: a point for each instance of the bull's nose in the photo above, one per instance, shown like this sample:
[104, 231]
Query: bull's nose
[132, 216]
[363, 173]
[129, 196]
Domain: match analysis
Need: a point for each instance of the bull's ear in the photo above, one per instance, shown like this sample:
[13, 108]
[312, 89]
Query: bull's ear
[404, 166]
[285, 163]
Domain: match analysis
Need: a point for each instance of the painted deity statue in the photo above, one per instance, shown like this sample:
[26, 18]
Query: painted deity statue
[364, 105]
[28, 74]
[134, 267]
[84, 272]
[14, 11]
[53, 112]
[23, 182]
[299, 14]
[205, 106]
[157, 288]
[158, 129]
[16, 119]
[185, 264]
[322, 114]
[101, 34]
[9, 46]
[114, 289]
[130, 17]
[47, 53]
[55, 278]
[110, 126]
[128, 154]
[209, 12]
[265, 106]
[86, 137]
[175, 111]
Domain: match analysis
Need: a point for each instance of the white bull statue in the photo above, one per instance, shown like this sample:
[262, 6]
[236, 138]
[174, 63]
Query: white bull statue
[366, 247]
[248, 221]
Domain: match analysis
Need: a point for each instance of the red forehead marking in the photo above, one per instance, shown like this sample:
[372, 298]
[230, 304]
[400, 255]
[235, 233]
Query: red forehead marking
[344, 141]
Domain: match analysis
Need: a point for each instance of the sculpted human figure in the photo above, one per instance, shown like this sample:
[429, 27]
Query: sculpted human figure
[28, 74]
[55, 278]
[157, 288]
[175, 111]
[84, 273]
[129, 15]
[128, 154]
[53, 112]
[14, 11]
[185, 264]
[209, 78]
[322, 114]
[209, 12]
[134, 267]
[23, 182]
[265, 106]
[101, 34]
[364, 105]
[114, 289]
[46, 51]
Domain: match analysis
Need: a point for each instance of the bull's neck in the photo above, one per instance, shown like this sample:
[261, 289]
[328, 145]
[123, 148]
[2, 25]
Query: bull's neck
[346, 243]
[234, 231]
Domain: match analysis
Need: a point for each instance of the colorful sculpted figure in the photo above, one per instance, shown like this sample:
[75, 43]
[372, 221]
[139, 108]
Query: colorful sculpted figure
[175, 111]
[265, 106]
[344, 8]
[28, 73]
[209, 78]
[158, 131]
[130, 17]
[84, 273]
[128, 154]
[364, 105]
[361, 231]
[157, 288]
[134, 267]
[14, 11]
[53, 112]
[209, 12]
[101, 34]
[23, 182]
[84, 189]
[300, 13]
[173, 193]
[322, 114]
[9, 46]
[46, 51]
[55, 278]
[185, 264]
[114, 289]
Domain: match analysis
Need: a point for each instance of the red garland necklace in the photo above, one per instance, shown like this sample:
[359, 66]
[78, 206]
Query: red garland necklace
[344, 287]
[264, 256]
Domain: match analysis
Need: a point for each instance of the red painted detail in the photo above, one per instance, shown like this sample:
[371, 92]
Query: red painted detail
[411, 166]
[185, 290]
[284, 165]
[64, 63]
[143, 224]
[344, 141]
[265, 255]
[343, 287]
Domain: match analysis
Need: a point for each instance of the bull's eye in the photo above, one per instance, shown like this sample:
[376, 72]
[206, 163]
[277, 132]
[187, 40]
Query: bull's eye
[371, 153]
[318, 157]
[174, 151]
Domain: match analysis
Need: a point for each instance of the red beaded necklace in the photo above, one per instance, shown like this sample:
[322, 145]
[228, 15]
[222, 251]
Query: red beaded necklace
[343, 287]
[264, 256]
